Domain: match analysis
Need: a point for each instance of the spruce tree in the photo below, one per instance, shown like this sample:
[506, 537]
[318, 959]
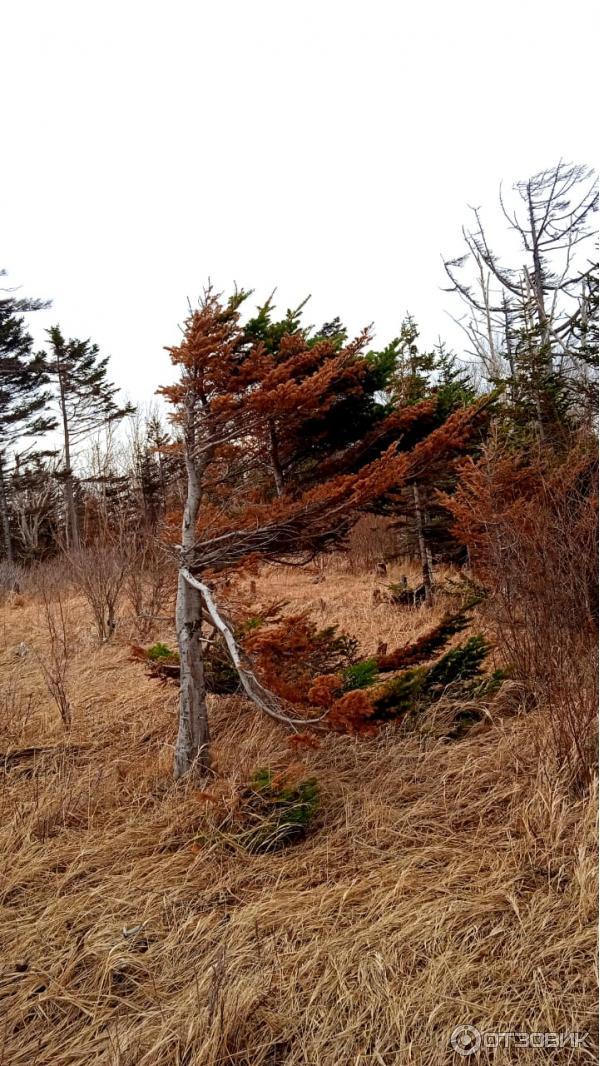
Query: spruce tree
[86, 402]
[23, 397]
[437, 377]
[229, 389]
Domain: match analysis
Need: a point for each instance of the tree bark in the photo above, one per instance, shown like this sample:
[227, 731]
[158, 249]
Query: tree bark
[72, 525]
[423, 550]
[275, 460]
[192, 747]
[8, 549]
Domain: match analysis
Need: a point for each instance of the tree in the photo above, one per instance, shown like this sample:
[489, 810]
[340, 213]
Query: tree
[86, 403]
[529, 323]
[23, 396]
[35, 504]
[436, 377]
[231, 387]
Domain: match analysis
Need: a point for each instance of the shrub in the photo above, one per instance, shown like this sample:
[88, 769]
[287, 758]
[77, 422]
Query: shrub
[160, 651]
[279, 811]
[530, 523]
[291, 655]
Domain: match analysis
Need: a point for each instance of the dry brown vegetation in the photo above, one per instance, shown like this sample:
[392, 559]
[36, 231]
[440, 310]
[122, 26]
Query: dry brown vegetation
[441, 883]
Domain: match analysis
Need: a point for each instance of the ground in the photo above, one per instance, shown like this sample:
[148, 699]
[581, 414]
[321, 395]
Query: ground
[441, 884]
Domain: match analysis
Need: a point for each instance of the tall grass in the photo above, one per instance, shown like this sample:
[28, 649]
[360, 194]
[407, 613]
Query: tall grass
[440, 884]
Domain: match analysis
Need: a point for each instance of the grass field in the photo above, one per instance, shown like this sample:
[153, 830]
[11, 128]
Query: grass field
[441, 884]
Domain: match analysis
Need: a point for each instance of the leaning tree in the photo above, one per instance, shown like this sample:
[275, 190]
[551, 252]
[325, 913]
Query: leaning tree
[245, 504]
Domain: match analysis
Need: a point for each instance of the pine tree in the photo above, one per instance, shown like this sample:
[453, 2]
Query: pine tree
[86, 402]
[438, 378]
[351, 403]
[230, 388]
[23, 396]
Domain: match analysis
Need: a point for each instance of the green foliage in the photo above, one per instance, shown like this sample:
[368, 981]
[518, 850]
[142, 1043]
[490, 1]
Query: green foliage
[160, 651]
[457, 666]
[332, 650]
[489, 686]
[359, 675]
[280, 812]
[401, 694]
[453, 384]
[458, 673]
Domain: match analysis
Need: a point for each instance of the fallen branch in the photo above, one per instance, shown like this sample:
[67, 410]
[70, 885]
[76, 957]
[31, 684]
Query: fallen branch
[267, 701]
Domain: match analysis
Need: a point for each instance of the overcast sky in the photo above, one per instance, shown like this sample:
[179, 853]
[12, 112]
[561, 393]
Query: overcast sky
[324, 146]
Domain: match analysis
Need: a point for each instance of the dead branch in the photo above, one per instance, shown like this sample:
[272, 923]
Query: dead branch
[267, 701]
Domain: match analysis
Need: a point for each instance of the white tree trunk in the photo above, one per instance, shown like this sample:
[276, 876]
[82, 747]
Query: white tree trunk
[192, 747]
[423, 549]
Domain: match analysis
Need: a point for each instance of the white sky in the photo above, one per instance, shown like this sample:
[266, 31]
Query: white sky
[321, 147]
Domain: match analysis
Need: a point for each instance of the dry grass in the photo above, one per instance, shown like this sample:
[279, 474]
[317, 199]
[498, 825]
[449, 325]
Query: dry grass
[336, 595]
[442, 883]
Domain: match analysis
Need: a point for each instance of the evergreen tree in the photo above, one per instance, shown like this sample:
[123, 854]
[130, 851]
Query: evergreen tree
[228, 391]
[350, 405]
[86, 402]
[436, 377]
[23, 396]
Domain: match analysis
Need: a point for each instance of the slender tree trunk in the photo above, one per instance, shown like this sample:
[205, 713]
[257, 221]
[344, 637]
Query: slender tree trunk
[8, 548]
[72, 525]
[275, 460]
[423, 550]
[538, 272]
[192, 748]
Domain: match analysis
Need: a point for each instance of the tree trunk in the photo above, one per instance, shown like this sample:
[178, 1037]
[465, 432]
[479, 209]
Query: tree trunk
[192, 748]
[275, 460]
[423, 550]
[71, 525]
[8, 549]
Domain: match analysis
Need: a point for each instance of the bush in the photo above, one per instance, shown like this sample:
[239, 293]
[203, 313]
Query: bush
[531, 526]
[457, 666]
[280, 811]
[12, 577]
[160, 651]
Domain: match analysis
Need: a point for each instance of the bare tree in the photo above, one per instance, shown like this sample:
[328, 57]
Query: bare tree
[35, 504]
[528, 322]
[99, 572]
[54, 659]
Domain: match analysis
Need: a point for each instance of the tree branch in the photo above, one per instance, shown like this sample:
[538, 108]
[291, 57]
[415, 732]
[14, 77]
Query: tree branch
[267, 701]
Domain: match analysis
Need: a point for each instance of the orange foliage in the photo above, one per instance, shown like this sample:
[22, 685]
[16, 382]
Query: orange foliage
[325, 689]
[303, 742]
[351, 713]
[243, 411]
[288, 657]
